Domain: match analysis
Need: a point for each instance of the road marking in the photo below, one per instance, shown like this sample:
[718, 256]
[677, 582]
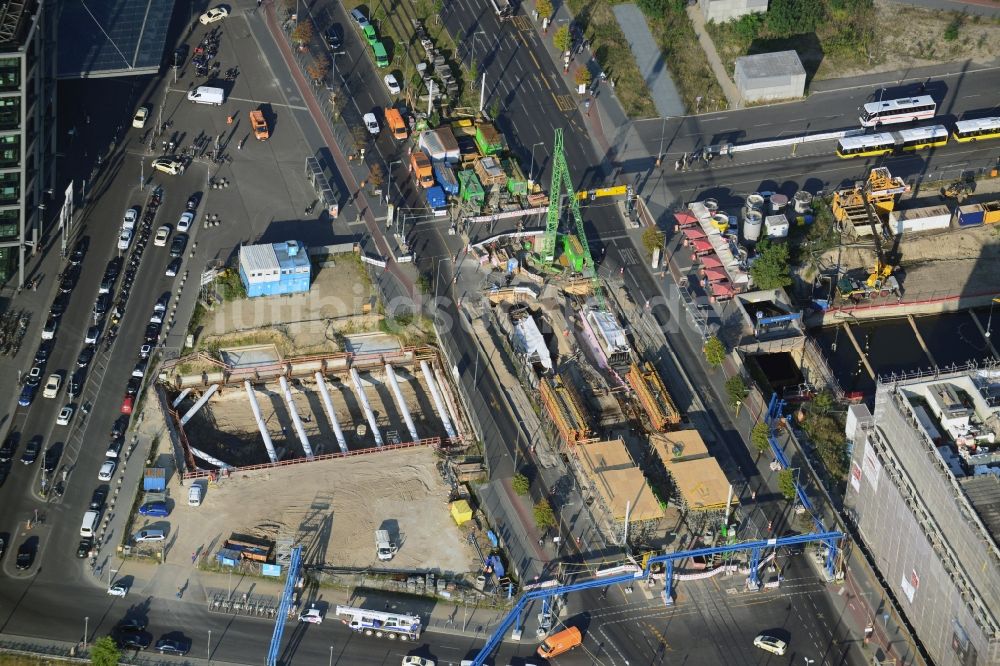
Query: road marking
[522, 23]
[564, 102]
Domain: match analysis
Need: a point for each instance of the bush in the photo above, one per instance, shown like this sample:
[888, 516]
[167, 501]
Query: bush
[737, 390]
[520, 484]
[104, 652]
[544, 516]
[951, 32]
[786, 484]
[715, 351]
[759, 437]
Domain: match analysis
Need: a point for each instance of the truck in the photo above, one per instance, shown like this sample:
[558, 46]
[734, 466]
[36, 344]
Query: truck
[503, 8]
[398, 626]
[259, 125]
[385, 549]
[446, 178]
[421, 167]
[436, 200]
[207, 95]
[440, 145]
[154, 479]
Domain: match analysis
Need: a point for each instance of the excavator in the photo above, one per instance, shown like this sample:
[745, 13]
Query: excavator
[881, 282]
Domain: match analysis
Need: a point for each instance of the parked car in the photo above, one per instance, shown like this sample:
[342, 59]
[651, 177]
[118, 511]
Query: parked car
[79, 251]
[175, 646]
[102, 304]
[359, 18]
[52, 385]
[42, 354]
[75, 383]
[152, 333]
[65, 415]
[155, 510]
[98, 497]
[371, 123]
[114, 447]
[150, 535]
[31, 450]
[59, 305]
[178, 245]
[85, 357]
[192, 202]
[139, 640]
[27, 395]
[392, 84]
[184, 223]
[120, 590]
[128, 403]
[107, 470]
[168, 165]
[51, 459]
[194, 495]
[139, 119]
[213, 15]
[9, 447]
[133, 386]
[173, 267]
[162, 234]
[140, 368]
[26, 554]
[130, 218]
[124, 239]
[312, 616]
[84, 547]
[69, 279]
[145, 351]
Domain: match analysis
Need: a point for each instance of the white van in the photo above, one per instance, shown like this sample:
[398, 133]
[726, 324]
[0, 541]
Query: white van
[89, 524]
[194, 495]
[207, 95]
[384, 547]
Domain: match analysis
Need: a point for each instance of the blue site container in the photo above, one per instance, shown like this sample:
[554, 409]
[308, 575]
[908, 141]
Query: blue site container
[971, 215]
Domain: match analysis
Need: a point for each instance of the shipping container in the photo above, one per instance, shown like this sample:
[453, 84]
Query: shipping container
[440, 145]
[436, 200]
[154, 479]
[991, 212]
[971, 215]
[472, 191]
[446, 177]
[912, 220]
[488, 139]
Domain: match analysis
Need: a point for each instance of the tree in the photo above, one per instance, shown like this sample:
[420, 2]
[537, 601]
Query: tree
[759, 438]
[822, 403]
[544, 8]
[561, 38]
[319, 68]
[520, 484]
[715, 351]
[376, 176]
[769, 269]
[303, 33]
[582, 76]
[737, 389]
[786, 484]
[652, 238]
[544, 516]
[360, 136]
[104, 652]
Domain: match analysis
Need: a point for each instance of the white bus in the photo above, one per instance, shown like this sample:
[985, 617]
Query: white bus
[886, 112]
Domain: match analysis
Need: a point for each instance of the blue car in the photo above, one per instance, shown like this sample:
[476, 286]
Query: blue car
[27, 394]
[155, 510]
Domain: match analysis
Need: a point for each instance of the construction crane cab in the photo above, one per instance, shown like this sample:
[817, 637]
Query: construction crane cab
[960, 189]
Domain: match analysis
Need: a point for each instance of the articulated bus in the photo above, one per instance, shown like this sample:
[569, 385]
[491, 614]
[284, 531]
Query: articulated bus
[974, 130]
[891, 111]
[886, 143]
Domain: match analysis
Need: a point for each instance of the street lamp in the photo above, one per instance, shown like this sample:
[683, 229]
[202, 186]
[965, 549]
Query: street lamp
[809, 661]
[472, 60]
[208, 647]
[331, 655]
[86, 630]
[388, 188]
[531, 171]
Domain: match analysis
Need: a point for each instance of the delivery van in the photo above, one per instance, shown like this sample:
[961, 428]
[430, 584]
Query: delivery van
[556, 644]
[394, 119]
[207, 95]
[421, 167]
[384, 547]
[89, 523]
[381, 57]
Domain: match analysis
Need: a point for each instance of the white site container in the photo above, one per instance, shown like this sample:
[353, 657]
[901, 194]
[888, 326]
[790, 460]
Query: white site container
[912, 220]
[776, 226]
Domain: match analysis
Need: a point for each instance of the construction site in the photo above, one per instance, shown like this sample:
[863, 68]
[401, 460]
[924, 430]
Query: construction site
[605, 407]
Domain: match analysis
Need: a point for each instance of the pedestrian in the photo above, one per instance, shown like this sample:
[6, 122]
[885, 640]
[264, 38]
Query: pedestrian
[229, 120]
[194, 556]
[258, 3]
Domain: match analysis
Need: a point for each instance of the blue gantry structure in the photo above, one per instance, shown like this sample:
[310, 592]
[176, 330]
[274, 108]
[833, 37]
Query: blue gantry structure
[286, 603]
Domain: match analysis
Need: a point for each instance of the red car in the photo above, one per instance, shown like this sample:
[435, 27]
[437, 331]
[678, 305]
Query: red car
[127, 404]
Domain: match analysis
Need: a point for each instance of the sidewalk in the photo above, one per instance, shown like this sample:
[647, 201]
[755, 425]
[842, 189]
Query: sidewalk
[650, 60]
[707, 45]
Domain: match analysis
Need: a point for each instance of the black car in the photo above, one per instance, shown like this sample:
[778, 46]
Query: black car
[42, 355]
[97, 499]
[114, 268]
[119, 427]
[51, 460]
[133, 386]
[4, 471]
[59, 305]
[114, 447]
[131, 625]
[177, 646]
[133, 640]
[152, 333]
[9, 447]
[177, 246]
[32, 450]
[3, 546]
[75, 383]
[332, 38]
[79, 252]
[85, 357]
[69, 279]
[102, 304]
[192, 202]
[86, 545]
[173, 267]
[26, 554]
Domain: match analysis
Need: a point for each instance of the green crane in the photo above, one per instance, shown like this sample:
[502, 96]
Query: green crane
[561, 180]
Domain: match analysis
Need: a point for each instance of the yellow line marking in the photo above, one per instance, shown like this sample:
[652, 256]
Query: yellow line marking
[522, 23]
[564, 102]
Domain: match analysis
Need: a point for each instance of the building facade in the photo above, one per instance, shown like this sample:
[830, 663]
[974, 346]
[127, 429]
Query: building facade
[770, 76]
[273, 269]
[27, 131]
[924, 494]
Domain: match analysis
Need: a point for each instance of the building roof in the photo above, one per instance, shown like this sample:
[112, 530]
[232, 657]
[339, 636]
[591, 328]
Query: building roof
[701, 483]
[984, 494]
[767, 65]
[529, 340]
[101, 38]
[616, 478]
[273, 257]
[291, 255]
[678, 445]
[608, 328]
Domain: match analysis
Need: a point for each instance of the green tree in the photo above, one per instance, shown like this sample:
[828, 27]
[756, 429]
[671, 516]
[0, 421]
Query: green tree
[104, 652]
[737, 389]
[561, 38]
[715, 351]
[769, 269]
[652, 238]
[786, 484]
[822, 403]
[544, 516]
[544, 8]
[759, 438]
[520, 484]
[827, 433]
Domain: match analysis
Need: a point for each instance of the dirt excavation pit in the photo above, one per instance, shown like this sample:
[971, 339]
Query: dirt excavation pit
[332, 508]
[226, 429]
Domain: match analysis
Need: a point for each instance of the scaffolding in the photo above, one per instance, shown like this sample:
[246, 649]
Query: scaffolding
[881, 190]
[653, 396]
[564, 406]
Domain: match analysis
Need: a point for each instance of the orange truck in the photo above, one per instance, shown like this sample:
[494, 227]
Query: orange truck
[259, 125]
[394, 119]
[421, 167]
[560, 642]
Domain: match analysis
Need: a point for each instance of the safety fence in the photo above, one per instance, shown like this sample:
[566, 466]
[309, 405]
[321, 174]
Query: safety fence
[434, 442]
